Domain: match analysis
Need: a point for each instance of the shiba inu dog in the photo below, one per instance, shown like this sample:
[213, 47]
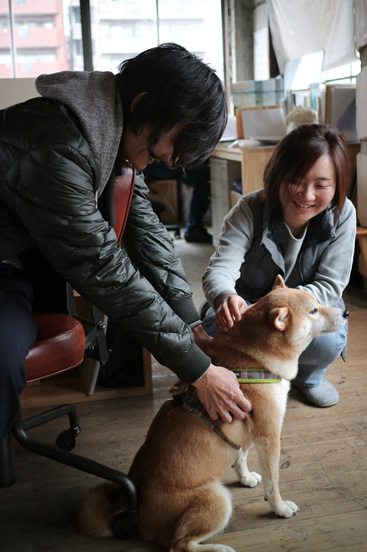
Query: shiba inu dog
[179, 468]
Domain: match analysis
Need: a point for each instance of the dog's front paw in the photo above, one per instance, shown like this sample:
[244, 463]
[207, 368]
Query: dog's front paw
[286, 509]
[215, 548]
[251, 479]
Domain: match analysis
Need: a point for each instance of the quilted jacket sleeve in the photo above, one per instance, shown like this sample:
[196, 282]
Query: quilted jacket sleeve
[151, 249]
[49, 187]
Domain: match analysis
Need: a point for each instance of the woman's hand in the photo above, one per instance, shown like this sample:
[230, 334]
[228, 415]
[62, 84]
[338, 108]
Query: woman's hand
[229, 312]
[220, 393]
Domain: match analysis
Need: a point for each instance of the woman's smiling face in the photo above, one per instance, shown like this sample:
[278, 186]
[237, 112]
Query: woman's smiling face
[303, 200]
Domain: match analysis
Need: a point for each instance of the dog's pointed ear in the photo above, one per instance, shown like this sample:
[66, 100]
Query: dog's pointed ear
[278, 316]
[279, 282]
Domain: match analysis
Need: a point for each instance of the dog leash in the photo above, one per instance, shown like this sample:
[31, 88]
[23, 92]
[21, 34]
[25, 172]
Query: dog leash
[191, 403]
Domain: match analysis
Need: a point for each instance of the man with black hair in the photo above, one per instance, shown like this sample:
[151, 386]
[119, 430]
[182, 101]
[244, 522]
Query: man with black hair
[59, 156]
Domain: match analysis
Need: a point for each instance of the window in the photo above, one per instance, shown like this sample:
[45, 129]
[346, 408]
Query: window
[34, 30]
[136, 25]
[345, 74]
[120, 30]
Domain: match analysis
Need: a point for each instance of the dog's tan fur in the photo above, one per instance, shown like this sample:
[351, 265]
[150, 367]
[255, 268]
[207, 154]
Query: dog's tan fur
[179, 468]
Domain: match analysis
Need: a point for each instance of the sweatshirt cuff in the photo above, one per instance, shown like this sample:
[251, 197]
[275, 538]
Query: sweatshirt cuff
[222, 296]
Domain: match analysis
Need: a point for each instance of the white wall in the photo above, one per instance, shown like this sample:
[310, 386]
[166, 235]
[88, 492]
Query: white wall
[360, 20]
[13, 91]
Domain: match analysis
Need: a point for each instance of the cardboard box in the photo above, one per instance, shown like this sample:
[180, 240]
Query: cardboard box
[165, 192]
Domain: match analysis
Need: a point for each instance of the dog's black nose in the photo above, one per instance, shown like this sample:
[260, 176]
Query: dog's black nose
[346, 314]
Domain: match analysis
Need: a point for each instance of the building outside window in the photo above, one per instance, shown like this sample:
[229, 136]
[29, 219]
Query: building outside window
[45, 37]
[32, 38]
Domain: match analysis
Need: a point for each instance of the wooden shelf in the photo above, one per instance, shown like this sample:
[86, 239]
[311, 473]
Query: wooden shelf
[226, 152]
[80, 384]
[70, 387]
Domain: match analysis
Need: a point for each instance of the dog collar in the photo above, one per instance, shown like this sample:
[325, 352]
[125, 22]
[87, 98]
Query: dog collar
[256, 375]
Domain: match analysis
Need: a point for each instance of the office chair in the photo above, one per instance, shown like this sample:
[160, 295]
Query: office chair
[61, 346]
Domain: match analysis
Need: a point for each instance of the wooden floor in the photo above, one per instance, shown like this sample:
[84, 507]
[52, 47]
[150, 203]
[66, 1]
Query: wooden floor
[323, 469]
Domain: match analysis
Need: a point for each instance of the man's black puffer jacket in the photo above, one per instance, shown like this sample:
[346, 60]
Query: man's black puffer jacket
[48, 178]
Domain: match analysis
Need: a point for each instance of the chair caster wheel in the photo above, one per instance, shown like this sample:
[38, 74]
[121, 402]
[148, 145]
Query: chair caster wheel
[125, 525]
[66, 439]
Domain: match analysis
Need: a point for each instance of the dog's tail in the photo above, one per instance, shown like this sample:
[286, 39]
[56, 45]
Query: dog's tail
[99, 508]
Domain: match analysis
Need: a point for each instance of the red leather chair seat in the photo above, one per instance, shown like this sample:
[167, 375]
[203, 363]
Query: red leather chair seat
[123, 193]
[59, 346]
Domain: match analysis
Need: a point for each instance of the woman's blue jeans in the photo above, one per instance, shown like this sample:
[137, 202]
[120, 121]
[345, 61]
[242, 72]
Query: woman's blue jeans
[314, 361]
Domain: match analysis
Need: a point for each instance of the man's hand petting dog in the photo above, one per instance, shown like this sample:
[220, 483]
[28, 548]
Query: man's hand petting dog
[202, 339]
[220, 393]
[218, 388]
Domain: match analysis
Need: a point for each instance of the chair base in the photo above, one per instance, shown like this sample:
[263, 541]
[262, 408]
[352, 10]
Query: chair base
[7, 469]
[174, 228]
[65, 440]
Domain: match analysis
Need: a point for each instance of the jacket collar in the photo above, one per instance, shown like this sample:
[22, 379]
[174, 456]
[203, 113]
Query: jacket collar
[321, 228]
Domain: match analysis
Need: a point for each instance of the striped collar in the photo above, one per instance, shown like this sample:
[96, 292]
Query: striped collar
[256, 375]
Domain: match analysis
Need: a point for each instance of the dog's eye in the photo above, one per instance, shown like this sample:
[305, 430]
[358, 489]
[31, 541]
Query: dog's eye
[314, 311]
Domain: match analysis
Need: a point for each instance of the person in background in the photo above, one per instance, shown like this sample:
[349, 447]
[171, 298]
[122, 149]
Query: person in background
[197, 178]
[59, 156]
[300, 225]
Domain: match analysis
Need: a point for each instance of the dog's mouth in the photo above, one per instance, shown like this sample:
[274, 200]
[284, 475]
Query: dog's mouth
[335, 328]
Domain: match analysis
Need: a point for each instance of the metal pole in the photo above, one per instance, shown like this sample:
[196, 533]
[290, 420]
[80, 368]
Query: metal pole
[12, 39]
[86, 35]
[157, 24]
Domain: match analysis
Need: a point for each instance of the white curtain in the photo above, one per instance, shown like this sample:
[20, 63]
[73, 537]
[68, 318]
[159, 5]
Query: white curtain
[301, 27]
